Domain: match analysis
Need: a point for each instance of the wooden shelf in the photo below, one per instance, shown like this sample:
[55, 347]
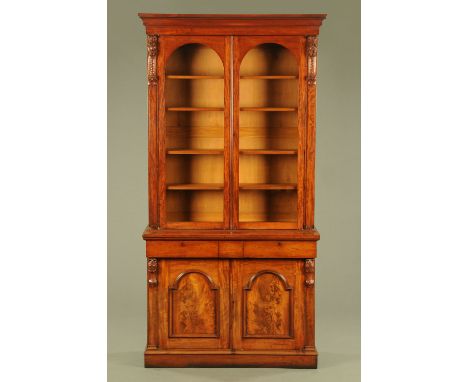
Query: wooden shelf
[196, 186]
[267, 186]
[268, 109]
[268, 77]
[194, 77]
[195, 108]
[207, 77]
[268, 152]
[242, 186]
[195, 152]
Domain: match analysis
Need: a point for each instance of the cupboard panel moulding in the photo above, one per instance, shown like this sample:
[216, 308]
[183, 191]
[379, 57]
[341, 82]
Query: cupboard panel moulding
[268, 306]
[268, 312]
[194, 297]
[193, 306]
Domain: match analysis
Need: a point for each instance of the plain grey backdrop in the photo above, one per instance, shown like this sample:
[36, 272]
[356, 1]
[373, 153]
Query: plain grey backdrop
[337, 190]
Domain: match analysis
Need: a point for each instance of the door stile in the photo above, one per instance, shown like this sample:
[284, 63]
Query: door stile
[302, 132]
[311, 58]
[152, 74]
[227, 133]
[235, 131]
[162, 132]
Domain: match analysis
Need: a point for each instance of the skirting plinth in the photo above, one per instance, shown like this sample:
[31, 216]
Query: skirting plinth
[299, 360]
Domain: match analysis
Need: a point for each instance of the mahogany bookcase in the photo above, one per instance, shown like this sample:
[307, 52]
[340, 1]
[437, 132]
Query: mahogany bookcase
[231, 241]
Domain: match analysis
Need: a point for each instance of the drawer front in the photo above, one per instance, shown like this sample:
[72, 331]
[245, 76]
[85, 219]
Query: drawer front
[262, 249]
[231, 249]
[182, 248]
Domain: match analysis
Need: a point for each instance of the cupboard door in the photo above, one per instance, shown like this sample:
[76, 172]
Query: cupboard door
[269, 124]
[194, 304]
[268, 305]
[194, 131]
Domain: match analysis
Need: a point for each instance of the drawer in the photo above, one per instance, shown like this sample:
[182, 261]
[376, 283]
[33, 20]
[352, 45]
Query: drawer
[231, 249]
[182, 248]
[262, 249]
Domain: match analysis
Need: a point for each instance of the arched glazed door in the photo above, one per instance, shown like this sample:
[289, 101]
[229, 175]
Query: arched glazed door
[194, 115]
[231, 132]
[268, 132]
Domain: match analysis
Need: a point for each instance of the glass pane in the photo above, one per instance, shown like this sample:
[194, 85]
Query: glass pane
[194, 135]
[268, 135]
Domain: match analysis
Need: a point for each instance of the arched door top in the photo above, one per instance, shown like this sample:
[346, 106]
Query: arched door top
[177, 280]
[258, 274]
[194, 58]
[294, 44]
[269, 59]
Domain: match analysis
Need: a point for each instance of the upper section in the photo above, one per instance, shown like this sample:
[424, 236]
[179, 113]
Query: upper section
[231, 123]
[216, 24]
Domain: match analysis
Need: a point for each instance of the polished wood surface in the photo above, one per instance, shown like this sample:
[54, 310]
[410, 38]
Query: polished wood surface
[196, 294]
[206, 24]
[152, 234]
[298, 360]
[231, 244]
[266, 314]
[232, 249]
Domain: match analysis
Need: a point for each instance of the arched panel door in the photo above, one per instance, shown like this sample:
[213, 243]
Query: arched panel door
[269, 306]
[268, 132]
[193, 301]
[194, 115]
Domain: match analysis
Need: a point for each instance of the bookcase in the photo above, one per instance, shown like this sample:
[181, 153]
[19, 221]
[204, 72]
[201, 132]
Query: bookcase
[231, 240]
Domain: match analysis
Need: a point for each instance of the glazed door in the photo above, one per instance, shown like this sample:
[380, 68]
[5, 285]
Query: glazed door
[268, 304]
[269, 124]
[193, 300]
[194, 131]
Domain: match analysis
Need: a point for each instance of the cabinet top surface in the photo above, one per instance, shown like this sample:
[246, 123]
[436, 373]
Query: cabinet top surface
[319, 16]
[254, 234]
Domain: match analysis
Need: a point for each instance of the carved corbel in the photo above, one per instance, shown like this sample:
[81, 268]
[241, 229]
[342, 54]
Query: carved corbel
[311, 50]
[309, 270]
[152, 272]
[152, 51]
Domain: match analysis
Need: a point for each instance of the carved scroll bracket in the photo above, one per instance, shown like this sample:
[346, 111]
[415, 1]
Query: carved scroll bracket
[309, 270]
[152, 51]
[152, 272]
[311, 51]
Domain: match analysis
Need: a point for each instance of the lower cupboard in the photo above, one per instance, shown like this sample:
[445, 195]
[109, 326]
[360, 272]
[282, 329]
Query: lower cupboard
[226, 307]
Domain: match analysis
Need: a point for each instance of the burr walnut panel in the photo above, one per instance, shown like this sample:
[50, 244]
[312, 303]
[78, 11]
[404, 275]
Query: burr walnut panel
[267, 306]
[269, 312]
[196, 294]
[194, 305]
